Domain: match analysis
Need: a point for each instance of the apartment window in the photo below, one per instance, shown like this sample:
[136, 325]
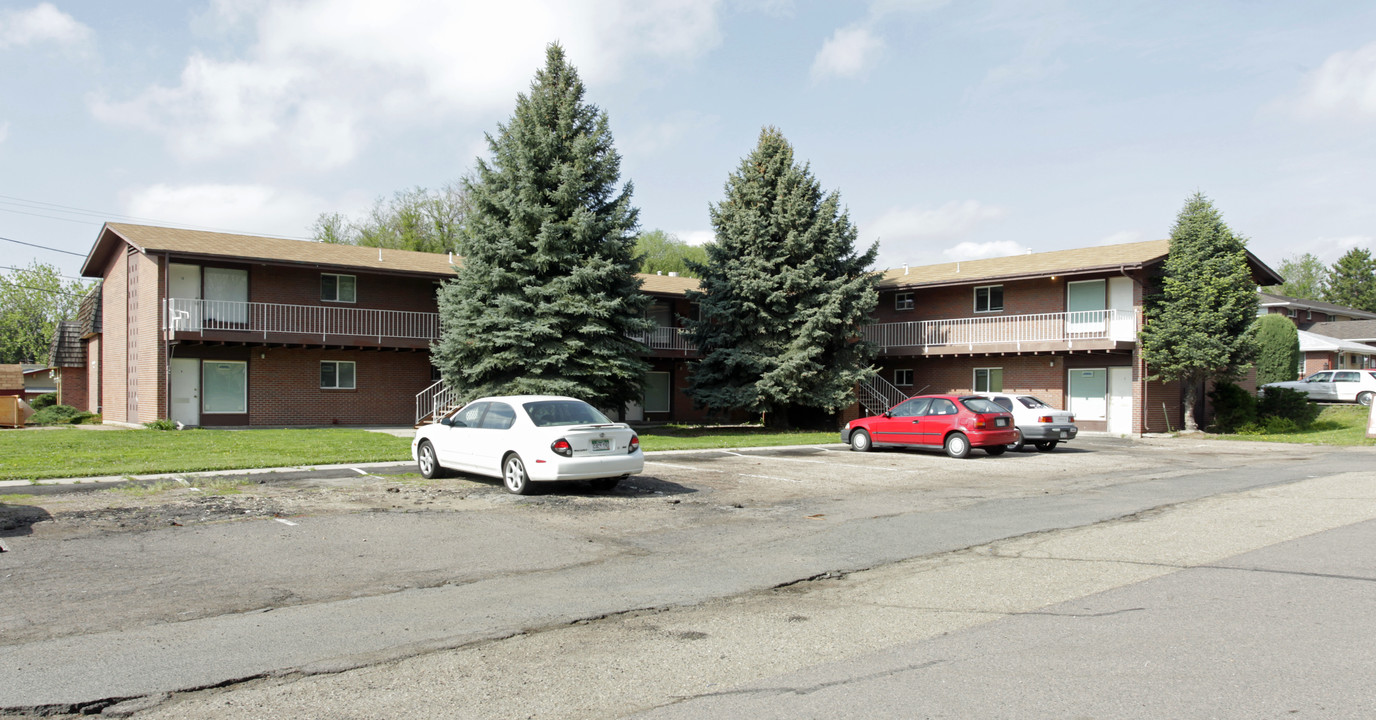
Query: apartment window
[988, 379]
[338, 288]
[656, 398]
[336, 375]
[224, 387]
[903, 301]
[903, 378]
[989, 298]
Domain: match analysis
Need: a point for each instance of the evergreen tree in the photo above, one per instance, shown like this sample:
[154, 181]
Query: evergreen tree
[1199, 324]
[1278, 349]
[1305, 276]
[784, 294]
[547, 297]
[1352, 281]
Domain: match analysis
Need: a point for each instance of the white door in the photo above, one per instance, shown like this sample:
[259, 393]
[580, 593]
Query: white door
[1120, 301]
[1084, 305]
[1120, 400]
[635, 412]
[184, 295]
[185, 390]
[1086, 393]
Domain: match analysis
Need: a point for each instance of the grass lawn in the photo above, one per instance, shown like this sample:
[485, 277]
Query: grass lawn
[676, 437]
[70, 452]
[1336, 425]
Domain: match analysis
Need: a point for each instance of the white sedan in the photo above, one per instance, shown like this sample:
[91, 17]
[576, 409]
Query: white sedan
[1357, 386]
[1038, 423]
[529, 438]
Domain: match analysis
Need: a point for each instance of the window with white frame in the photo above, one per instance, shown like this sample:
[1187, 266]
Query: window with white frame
[903, 378]
[988, 379]
[224, 387]
[338, 288]
[903, 301]
[337, 375]
[989, 298]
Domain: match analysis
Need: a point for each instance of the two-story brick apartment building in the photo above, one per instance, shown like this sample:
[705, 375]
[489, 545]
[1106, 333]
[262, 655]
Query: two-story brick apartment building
[214, 329]
[1060, 325]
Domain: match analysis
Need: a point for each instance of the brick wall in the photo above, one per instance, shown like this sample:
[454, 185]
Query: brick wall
[114, 360]
[1029, 374]
[284, 387]
[301, 286]
[1316, 361]
[71, 387]
[152, 350]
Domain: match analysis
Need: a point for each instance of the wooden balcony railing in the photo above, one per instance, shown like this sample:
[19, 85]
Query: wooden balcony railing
[1016, 330]
[266, 319]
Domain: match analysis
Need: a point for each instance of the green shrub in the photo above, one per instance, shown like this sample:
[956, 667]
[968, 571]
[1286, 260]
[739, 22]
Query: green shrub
[1270, 426]
[1287, 404]
[44, 400]
[1278, 349]
[1234, 407]
[55, 415]
[161, 424]
[87, 418]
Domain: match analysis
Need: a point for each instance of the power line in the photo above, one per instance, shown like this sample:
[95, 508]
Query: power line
[43, 247]
[69, 277]
[50, 290]
[69, 209]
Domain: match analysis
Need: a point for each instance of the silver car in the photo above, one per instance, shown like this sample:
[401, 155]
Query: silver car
[1038, 423]
[1357, 386]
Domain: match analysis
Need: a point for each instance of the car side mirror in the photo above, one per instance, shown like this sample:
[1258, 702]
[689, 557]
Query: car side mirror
[888, 414]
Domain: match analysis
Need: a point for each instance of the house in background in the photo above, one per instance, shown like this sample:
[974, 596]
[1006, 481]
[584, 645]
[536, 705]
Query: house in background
[1061, 325]
[1332, 337]
[38, 380]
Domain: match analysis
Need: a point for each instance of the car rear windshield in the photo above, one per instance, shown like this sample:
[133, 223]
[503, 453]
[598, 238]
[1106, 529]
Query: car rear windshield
[981, 405]
[1031, 402]
[549, 413]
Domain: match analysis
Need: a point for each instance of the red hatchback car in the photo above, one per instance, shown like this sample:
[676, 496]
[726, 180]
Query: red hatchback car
[954, 422]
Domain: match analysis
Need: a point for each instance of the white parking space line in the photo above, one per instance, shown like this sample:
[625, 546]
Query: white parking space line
[772, 477]
[359, 471]
[815, 462]
[285, 522]
[681, 467]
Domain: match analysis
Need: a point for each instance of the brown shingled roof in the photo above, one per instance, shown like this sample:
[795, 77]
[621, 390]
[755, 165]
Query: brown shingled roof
[1077, 261]
[252, 247]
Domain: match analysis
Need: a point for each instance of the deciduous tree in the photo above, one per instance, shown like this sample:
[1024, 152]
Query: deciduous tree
[546, 300]
[784, 293]
[664, 252]
[415, 219]
[32, 301]
[1199, 324]
[1305, 276]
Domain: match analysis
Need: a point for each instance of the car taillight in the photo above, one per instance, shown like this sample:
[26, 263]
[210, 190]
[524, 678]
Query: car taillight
[561, 447]
[635, 444]
[1045, 419]
[979, 422]
[1072, 418]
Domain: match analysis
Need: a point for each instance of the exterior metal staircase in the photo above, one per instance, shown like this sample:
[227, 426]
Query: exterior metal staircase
[878, 395]
[433, 402]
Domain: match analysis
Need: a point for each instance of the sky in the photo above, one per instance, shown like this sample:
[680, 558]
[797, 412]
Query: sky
[952, 130]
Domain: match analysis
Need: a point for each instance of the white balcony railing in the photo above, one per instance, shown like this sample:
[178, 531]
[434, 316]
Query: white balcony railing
[666, 338]
[1066, 327]
[264, 319]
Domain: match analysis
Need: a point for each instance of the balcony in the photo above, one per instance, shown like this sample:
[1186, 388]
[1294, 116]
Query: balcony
[1045, 332]
[242, 322]
[666, 341]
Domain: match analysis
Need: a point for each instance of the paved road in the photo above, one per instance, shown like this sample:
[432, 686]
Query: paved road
[709, 533]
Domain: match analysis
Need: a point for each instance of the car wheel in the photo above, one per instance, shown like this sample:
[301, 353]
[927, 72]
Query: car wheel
[957, 445]
[514, 475]
[1046, 446]
[1016, 445]
[1364, 399]
[430, 467]
[604, 484]
[996, 450]
[860, 441]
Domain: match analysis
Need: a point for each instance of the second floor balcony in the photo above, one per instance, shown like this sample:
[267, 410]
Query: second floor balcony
[227, 321]
[1044, 332]
[667, 341]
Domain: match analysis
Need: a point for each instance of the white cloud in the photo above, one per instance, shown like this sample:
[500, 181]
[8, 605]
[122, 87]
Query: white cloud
[847, 53]
[1344, 86]
[651, 139]
[1120, 237]
[976, 251]
[855, 48]
[325, 75]
[251, 209]
[950, 221]
[1329, 249]
[39, 24]
[696, 237]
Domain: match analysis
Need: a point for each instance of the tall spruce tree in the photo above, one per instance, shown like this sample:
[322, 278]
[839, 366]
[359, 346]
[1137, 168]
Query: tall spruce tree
[1352, 281]
[1278, 349]
[1199, 325]
[784, 294]
[546, 300]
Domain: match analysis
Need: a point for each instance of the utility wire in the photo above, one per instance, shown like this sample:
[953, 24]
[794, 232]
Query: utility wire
[69, 277]
[68, 209]
[51, 291]
[43, 247]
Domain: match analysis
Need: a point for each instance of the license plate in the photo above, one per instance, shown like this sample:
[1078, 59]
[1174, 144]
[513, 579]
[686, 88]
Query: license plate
[1000, 422]
[602, 444]
[1065, 434]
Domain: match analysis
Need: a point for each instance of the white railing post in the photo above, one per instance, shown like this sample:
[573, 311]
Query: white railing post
[1042, 327]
